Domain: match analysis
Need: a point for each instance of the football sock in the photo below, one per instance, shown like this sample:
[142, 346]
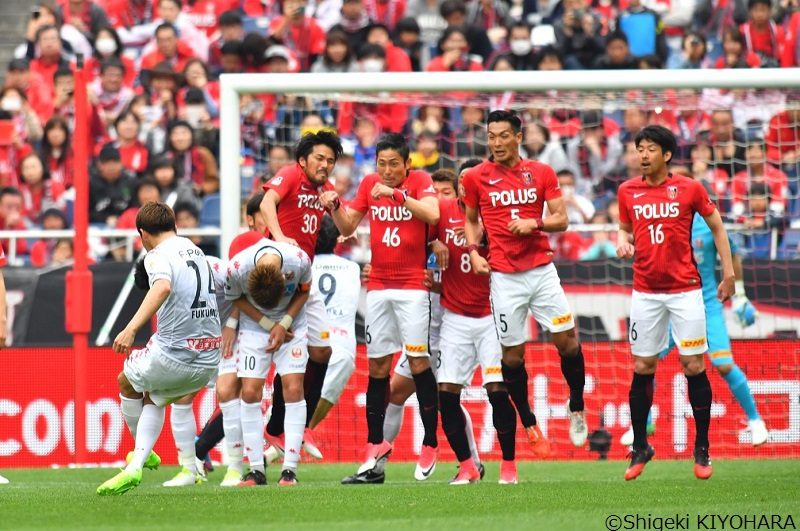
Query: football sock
[453, 424]
[470, 433]
[393, 421]
[232, 425]
[131, 410]
[574, 373]
[640, 399]
[505, 423]
[427, 396]
[312, 385]
[183, 429]
[253, 435]
[147, 431]
[275, 423]
[516, 380]
[737, 382]
[376, 408]
[211, 435]
[294, 426]
[700, 398]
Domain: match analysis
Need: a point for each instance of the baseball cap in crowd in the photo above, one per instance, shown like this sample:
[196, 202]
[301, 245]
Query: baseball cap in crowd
[109, 153]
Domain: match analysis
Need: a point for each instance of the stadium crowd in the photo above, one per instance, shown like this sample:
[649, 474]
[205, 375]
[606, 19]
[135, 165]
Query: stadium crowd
[154, 95]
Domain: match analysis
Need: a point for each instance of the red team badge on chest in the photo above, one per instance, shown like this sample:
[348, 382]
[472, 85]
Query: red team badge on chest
[527, 178]
[672, 192]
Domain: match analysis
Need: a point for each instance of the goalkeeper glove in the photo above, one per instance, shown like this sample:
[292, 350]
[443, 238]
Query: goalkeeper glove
[140, 279]
[743, 310]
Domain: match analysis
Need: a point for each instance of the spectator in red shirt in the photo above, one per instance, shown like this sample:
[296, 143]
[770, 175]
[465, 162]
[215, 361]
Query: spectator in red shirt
[56, 151]
[231, 29]
[107, 45]
[134, 153]
[168, 49]
[735, 52]
[715, 179]
[299, 33]
[39, 192]
[759, 171]
[147, 191]
[197, 76]
[195, 164]
[396, 59]
[206, 15]
[47, 251]
[454, 56]
[64, 105]
[12, 217]
[761, 34]
[791, 44]
[84, 15]
[783, 136]
[385, 12]
[108, 93]
[45, 66]
[26, 123]
[129, 13]
[39, 97]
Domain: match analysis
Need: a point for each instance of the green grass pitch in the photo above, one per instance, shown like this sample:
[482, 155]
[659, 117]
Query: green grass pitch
[551, 495]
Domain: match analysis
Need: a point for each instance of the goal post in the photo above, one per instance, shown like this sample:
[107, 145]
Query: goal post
[590, 81]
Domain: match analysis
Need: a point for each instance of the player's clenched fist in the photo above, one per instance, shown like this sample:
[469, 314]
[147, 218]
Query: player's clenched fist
[479, 264]
[523, 227]
[124, 341]
[329, 199]
[625, 250]
[381, 190]
[726, 289]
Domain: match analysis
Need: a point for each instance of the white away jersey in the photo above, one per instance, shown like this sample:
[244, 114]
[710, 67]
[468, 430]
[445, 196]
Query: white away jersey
[296, 268]
[219, 269]
[338, 282]
[188, 328]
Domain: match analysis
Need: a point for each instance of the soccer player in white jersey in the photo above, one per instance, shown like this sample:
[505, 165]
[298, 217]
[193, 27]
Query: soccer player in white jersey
[183, 354]
[337, 281]
[274, 278]
[400, 203]
[656, 212]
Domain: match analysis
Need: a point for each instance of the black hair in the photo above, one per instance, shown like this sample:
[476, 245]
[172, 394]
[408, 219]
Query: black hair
[394, 142]
[232, 48]
[660, 135]
[547, 51]
[146, 181]
[44, 29]
[230, 18]
[370, 50]
[112, 62]
[448, 7]
[519, 24]
[45, 167]
[407, 25]
[325, 138]
[616, 35]
[337, 37]
[185, 206]
[543, 129]
[9, 190]
[63, 71]
[652, 60]
[166, 25]
[327, 237]
[253, 206]
[467, 164]
[501, 115]
[752, 3]
[759, 189]
[448, 32]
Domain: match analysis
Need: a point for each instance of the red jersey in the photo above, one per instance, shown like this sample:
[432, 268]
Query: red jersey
[398, 240]
[777, 181]
[503, 194]
[662, 229]
[243, 241]
[463, 292]
[299, 210]
[2, 258]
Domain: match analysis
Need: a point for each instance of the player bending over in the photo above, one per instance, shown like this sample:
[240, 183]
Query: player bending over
[656, 213]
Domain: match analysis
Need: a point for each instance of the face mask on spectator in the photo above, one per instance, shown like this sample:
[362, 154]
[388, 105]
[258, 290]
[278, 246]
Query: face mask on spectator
[106, 46]
[372, 65]
[11, 104]
[520, 46]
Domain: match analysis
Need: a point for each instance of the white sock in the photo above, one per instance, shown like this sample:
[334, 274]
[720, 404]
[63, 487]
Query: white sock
[131, 410]
[184, 429]
[393, 421]
[294, 424]
[232, 426]
[470, 436]
[147, 431]
[253, 434]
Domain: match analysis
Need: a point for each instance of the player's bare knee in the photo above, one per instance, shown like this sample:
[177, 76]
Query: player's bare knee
[693, 365]
[566, 343]
[450, 388]
[252, 392]
[185, 400]
[380, 367]
[292, 387]
[724, 369]
[514, 356]
[125, 387]
[495, 387]
[227, 388]
[418, 365]
[320, 354]
[645, 365]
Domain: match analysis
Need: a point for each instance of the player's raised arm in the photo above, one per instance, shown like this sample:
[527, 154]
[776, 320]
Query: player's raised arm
[345, 218]
[726, 287]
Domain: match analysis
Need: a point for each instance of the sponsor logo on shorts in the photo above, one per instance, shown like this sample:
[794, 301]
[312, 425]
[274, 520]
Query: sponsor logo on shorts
[204, 343]
[493, 370]
[325, 334]
[416, 348]
[720, 354]
[562, 319]
[297, 352]
[693, 343]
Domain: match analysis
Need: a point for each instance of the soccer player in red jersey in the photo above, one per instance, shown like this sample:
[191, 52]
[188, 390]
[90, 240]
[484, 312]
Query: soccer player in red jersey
[400, 204]
[292, 212]
[471, 339]
[655, 229]
[509, 194]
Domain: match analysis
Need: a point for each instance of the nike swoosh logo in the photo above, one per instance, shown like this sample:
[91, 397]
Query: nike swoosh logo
[494, 181]
[451, 220]
[637, 196]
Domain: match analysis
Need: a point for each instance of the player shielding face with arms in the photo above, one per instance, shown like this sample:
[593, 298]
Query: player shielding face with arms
[400, 204]
[509, 194]
[656, 212]
[184, 352]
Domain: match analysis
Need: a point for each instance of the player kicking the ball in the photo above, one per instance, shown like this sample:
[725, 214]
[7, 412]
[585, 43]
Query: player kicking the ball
[183, 354]
[400, 204]
[656, 213]
[509, 194]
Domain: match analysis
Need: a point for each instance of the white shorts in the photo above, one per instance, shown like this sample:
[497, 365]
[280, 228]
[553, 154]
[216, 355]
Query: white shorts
[397, 320]
[401, 367]
[436, 321]
[228, 365]
[339, 371]
[318, 331]
[253, 360]
[165, 380]
[470, 342]
[536, 290]
[651, 315]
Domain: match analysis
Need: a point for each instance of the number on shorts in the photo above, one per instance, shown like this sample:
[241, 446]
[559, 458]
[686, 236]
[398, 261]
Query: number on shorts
[634, 333]
[250, 363]
[391, 238]
[503, 323]
[310, 224]
[367, 335]
[327, 286]
[656, 234]
[466, 263]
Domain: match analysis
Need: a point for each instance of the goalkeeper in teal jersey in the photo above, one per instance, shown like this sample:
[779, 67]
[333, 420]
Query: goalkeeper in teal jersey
[719, 342]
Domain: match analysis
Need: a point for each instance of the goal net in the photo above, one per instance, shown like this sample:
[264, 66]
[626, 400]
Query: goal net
[738, 132]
